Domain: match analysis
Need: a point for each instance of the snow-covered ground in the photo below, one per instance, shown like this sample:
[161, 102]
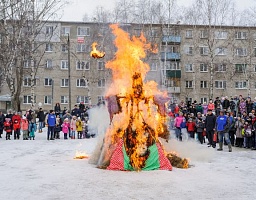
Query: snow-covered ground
[43, 170]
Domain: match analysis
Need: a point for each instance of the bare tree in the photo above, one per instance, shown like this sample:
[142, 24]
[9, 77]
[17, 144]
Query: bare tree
[22, 25]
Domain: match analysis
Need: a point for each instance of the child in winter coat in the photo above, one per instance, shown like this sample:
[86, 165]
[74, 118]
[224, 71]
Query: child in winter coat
[200, 129]
[24, 127]
[183, 129]
[79, 128]
[65, 128]
[32, 130]
[247, 135]
[57, 127]
[239, 137]
[16, 129]
[73, 127]
[8, 128]
[191, 127]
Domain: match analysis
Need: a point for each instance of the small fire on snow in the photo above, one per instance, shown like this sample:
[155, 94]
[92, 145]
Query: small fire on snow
[95, 53]
[81, 155]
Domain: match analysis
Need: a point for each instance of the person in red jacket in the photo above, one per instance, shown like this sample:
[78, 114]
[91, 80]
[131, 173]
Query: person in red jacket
[8, 128]
[16, 120]
[191, 128]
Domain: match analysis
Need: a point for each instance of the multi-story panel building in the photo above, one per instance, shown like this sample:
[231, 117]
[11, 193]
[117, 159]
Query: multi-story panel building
[192, 63]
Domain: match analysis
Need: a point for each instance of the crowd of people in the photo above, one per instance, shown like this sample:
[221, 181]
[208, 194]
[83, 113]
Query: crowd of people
[72, 124]
[223, 121]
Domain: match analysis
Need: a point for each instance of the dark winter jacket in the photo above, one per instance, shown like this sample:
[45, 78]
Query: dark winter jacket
[225, 104]
[41, 116]
[210, 122]
[2, 119]
[249, 107]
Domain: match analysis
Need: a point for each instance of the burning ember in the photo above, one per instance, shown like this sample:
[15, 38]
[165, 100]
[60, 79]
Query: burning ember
[95, 53]
[137, 111]
[80, 155]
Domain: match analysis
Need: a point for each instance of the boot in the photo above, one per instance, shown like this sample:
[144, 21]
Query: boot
[220, 146]
[229, 148]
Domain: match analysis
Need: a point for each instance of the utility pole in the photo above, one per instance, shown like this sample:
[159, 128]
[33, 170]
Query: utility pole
[69, 79]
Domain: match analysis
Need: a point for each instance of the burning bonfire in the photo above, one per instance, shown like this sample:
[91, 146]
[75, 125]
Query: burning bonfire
[137, 111]
[80, 155]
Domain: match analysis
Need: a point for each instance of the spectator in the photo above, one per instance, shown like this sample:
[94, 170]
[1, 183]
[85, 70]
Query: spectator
[50, 122]
[41, 118]
[210, 123]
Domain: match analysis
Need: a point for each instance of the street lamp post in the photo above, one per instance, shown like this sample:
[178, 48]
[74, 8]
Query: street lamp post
[69, 79]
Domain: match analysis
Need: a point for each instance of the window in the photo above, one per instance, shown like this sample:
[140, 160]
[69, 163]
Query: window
[101, 99]
[28, 81]
[189, 84]
[220, 67]
[26, 63]
[64, 48]
[203, 50]
[203, 100]
[80, 99]
[80, 47]
[64, 64]
[47, 82]
[203, 67]
[83, 31]
[65, 30]
[221, 35]
[49, 30]
[153, 33]
[172, 65]
[189, 67]
[47, 99]
[101, 83]
[254, 52]
[101, 65]
[64, 99]
[220, 51]
[204, 34]
[28, 100]
[81, 83]
[64, 82]
[241, 35]
[48, 64]
[241, 51]
[137, 32]
[240, 84]
[82, 65]
[220, 84]
[240, 68]
[189, 34]
[203, 84]
[48, 47]
[189, 50]
[153, 66]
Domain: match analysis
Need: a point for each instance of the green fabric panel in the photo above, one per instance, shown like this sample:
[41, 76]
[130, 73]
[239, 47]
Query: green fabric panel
[127, 165]
[152, 162]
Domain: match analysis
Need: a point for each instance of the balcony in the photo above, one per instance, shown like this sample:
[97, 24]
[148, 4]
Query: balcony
[173, 90]
[170, 56]
[171, 39]
[173, 73]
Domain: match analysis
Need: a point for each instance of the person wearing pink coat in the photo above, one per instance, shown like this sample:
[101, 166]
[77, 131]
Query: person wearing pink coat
[65, 128]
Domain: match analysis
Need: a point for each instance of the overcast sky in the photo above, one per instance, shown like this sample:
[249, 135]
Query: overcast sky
[77, 8]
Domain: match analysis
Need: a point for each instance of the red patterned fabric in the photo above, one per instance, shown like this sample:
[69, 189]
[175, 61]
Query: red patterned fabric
[163, 160]
[117, 159]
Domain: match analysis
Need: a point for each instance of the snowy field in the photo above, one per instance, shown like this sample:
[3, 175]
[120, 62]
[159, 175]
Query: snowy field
[43, 170]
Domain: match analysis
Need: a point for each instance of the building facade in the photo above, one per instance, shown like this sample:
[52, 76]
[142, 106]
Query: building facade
[192, 63]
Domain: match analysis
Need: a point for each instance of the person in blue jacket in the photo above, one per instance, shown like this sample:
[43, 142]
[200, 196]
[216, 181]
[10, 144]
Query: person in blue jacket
[51, 122]
[222, 127]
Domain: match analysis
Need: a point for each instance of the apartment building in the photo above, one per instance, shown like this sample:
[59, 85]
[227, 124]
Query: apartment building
[192, 63]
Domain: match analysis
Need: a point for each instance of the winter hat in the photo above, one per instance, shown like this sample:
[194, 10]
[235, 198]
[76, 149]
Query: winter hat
[7, 119]
[23, 117]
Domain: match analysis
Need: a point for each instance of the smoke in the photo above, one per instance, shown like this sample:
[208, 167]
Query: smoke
[98, 120]
[190, 149]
